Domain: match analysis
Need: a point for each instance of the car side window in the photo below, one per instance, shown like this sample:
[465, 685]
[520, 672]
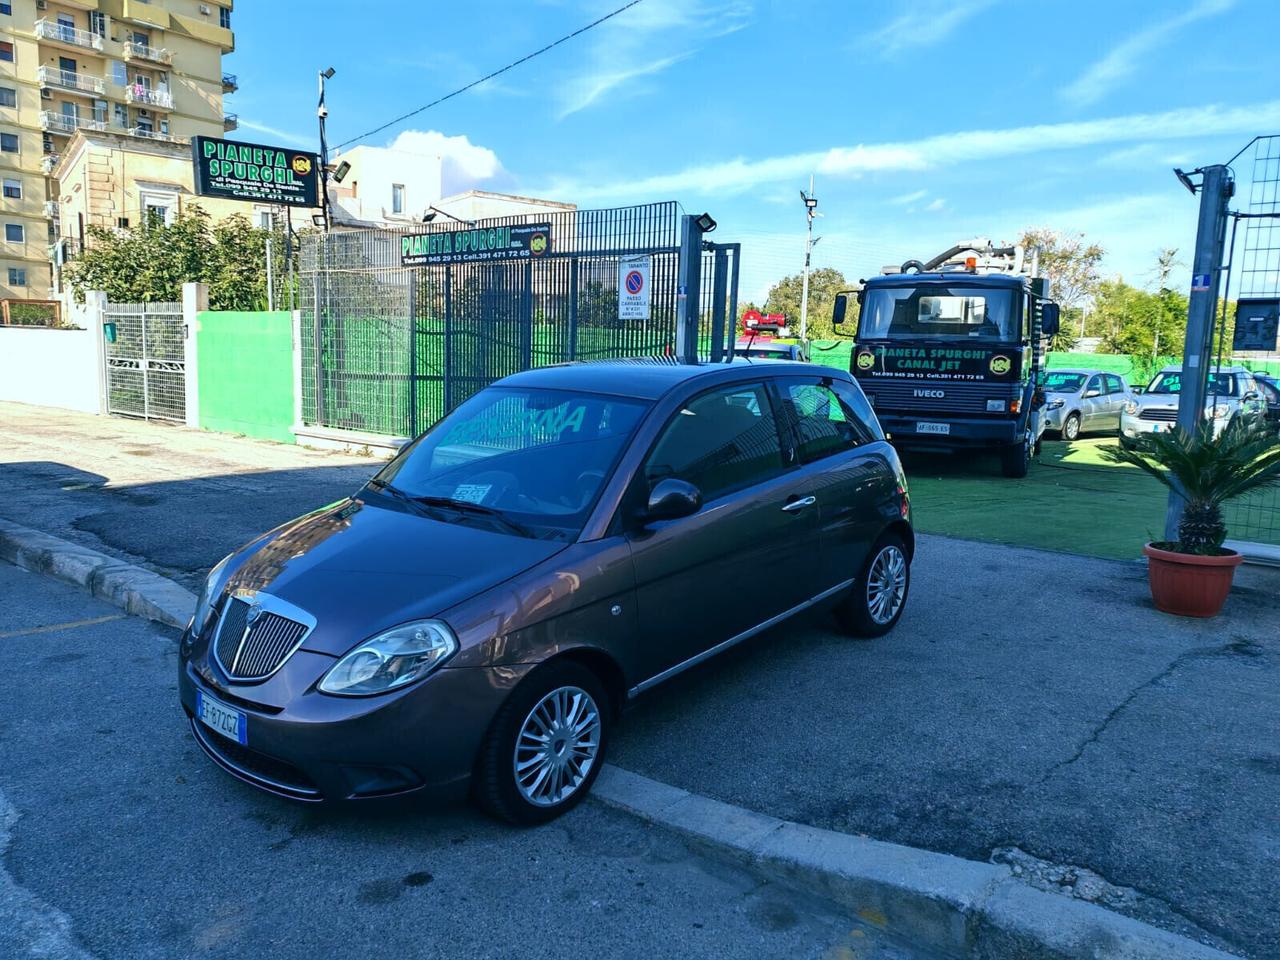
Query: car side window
[720, 441]
[1095, 383]
[1114, 384]
[823, 421]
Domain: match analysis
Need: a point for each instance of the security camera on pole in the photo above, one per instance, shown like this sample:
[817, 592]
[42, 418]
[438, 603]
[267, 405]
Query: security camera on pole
[810, 211]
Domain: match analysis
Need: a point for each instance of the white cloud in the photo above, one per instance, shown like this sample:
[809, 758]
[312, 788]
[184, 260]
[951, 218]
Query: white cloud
[643, 42]
[1122, 60]
[936, 205]
[945, 150]
[922, 26]
[909, 198]
[466, 164]
[295, 139]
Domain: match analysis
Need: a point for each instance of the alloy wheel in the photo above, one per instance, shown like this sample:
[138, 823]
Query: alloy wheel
[557, 746]
[886, 584]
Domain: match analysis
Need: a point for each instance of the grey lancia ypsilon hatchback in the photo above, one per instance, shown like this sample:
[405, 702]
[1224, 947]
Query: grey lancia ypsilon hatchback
[564, 540]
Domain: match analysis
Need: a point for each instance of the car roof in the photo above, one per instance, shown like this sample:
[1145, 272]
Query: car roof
[1177, 368]
[648, 378]
[1081, 370]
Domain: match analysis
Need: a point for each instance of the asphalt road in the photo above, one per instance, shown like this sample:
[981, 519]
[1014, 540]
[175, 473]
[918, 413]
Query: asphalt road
[1029, 707]
[120, 841]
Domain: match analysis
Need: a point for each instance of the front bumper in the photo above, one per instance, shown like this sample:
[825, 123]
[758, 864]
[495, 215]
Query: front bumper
[964, 433]
[1055, 417]
[318, 747]
[1132, 426]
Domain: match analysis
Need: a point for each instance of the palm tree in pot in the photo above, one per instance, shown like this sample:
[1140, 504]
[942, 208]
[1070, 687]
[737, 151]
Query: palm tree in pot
[1192, 577]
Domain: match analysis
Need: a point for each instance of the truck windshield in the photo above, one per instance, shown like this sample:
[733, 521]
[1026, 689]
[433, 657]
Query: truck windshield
[933, 312]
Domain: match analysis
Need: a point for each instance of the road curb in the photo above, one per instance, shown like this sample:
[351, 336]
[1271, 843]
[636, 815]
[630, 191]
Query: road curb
[960, 908]
[133, 589]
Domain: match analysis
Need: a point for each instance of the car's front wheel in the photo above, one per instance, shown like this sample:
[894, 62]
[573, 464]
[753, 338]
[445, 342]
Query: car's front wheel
[1071, 427]
[878, 597]
[545, 746]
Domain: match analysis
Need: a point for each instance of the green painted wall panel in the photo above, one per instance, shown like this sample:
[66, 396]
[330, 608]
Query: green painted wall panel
[245, 366]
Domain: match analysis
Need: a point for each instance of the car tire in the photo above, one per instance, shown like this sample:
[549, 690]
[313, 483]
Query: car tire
[530, 712]
[887, 563]
[1071, 427]
[1015, 461]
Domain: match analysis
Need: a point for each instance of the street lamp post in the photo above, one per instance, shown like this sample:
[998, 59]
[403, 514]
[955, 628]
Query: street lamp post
[810, 211]
[322, 113]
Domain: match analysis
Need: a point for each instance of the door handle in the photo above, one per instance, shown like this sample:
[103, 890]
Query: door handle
[795, 506]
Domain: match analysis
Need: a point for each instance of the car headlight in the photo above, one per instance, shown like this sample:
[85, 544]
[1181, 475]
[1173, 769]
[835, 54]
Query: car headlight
[391, 660]
[1220, 411]
[208, 598]
[1130, 407]
[1057, 404]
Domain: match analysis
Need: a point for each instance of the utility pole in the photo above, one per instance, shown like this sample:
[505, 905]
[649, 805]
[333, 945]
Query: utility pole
[322, 112]
[1216, 188]
[810, 211]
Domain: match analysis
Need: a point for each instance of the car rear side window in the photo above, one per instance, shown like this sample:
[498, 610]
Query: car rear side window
[1114, 384]
[827, 419]
[720, 441]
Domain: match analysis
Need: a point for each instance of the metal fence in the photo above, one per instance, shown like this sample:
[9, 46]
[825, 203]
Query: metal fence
[145, 356]
[388, 349]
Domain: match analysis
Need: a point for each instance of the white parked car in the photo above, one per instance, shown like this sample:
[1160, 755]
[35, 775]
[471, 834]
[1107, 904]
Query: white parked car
[1232, 395]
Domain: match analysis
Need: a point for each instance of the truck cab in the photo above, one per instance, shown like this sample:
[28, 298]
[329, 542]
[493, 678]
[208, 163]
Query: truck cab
[948, 352]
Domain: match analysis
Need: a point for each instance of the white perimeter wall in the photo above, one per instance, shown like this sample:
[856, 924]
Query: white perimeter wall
[52, 368]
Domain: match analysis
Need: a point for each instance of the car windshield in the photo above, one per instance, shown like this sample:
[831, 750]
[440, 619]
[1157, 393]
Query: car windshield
[527, 461]
[938, 312]
[1063, 382]
[1220, 384]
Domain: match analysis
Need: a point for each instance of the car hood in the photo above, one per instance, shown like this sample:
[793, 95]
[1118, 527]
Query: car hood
[360, 567]
[1157, 401]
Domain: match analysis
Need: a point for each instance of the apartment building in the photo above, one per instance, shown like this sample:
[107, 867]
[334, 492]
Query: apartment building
[146, 72]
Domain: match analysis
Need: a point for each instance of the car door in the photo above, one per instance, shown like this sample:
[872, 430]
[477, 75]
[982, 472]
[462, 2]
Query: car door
[1093, 403]
[747, 555]
[838, 451]
[1116, 396]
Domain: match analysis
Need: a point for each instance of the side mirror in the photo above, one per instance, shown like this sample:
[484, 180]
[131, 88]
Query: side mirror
[1090, 394]
[839, 309]
[672, 499]
[1050, 318]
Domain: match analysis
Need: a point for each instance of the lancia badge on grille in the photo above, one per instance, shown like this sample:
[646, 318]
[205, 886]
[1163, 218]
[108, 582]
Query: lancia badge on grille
[254, 612]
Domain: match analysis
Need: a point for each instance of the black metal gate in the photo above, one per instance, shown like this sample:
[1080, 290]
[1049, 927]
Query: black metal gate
[388, 349]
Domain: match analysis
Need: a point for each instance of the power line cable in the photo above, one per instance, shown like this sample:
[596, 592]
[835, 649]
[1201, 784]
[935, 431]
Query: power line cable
[476, 83]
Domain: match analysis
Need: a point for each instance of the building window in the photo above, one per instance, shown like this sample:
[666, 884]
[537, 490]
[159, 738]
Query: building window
[100, 111]
[121, 114]
[8, 97]
[6, 9]
[15, 233]
[8, 143]
[117, 74]
[397, 198]
[12, 189]
[122, 223]
[6, 50]
[98, 22]
[17, 277]
[266, 220]
[224, 18]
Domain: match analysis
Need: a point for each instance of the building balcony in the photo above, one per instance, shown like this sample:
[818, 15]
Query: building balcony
[140, 51]
[51, 31]
[51, 209]
[64, 124]
[229, 83]
[48, 162]
[230, 122]
[69, 80]
[161, 99]
[147, 134]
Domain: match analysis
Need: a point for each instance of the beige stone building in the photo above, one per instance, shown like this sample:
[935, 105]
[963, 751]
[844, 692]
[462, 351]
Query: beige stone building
[106, 93]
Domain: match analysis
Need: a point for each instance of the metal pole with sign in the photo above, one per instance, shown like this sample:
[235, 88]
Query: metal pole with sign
[687, 290]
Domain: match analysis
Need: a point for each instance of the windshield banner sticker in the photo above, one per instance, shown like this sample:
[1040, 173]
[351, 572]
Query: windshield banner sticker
[936, 362]
[542, 426]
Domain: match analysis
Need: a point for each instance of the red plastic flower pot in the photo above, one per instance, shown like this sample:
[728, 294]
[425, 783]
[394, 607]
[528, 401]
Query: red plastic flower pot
[1187, 584]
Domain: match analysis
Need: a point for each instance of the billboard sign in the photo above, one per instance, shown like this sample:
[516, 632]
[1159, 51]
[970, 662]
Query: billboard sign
[523, 241]
[255, 172]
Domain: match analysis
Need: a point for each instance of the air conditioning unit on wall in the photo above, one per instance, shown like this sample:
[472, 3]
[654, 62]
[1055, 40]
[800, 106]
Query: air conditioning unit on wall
[42, 4]
[204, 8]
[46, 93]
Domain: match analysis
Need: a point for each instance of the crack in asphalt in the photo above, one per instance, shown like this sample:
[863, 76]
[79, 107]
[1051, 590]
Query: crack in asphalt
[28, 926]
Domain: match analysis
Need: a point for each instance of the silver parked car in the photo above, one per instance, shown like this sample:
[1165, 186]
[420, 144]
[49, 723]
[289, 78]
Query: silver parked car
[1232, 394]
[1080, 400]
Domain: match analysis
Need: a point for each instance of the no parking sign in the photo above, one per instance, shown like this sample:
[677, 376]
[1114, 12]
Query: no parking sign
[633, 288]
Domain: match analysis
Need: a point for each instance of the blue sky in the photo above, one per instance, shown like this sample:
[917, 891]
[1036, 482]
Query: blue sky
[924, 123]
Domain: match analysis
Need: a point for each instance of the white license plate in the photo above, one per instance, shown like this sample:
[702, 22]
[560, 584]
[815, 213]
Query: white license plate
[218, 716]
[1155, 428]
[942, 428]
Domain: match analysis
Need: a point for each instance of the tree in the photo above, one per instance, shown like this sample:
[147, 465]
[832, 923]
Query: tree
[824, 283]
[152, 260]
[1068, 261]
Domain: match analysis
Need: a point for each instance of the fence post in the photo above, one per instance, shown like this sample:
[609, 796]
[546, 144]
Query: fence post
[297, 369]
[95, 316]
[413, 354]
[526, 325]
[448, 337]
[719, 296]
[195, 300]
[573, 309]
[688, 298]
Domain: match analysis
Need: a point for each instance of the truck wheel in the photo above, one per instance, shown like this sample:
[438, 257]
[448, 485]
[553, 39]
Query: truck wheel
[877, 598]
[1015, 461]
[1071, 427]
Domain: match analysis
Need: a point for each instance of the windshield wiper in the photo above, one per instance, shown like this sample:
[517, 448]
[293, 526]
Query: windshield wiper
[466, 506]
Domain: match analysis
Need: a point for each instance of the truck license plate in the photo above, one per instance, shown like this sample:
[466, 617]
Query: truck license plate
[942, 428]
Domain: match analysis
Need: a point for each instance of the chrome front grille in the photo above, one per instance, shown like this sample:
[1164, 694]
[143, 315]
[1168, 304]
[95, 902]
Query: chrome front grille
[253, 640]
[1156, 413]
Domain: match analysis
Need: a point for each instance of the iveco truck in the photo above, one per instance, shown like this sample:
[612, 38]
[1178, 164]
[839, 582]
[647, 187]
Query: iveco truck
[948, 351]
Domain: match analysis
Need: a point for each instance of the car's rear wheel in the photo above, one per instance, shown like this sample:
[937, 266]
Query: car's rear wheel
[878, 597]
[1071, 427]
[545, 746]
